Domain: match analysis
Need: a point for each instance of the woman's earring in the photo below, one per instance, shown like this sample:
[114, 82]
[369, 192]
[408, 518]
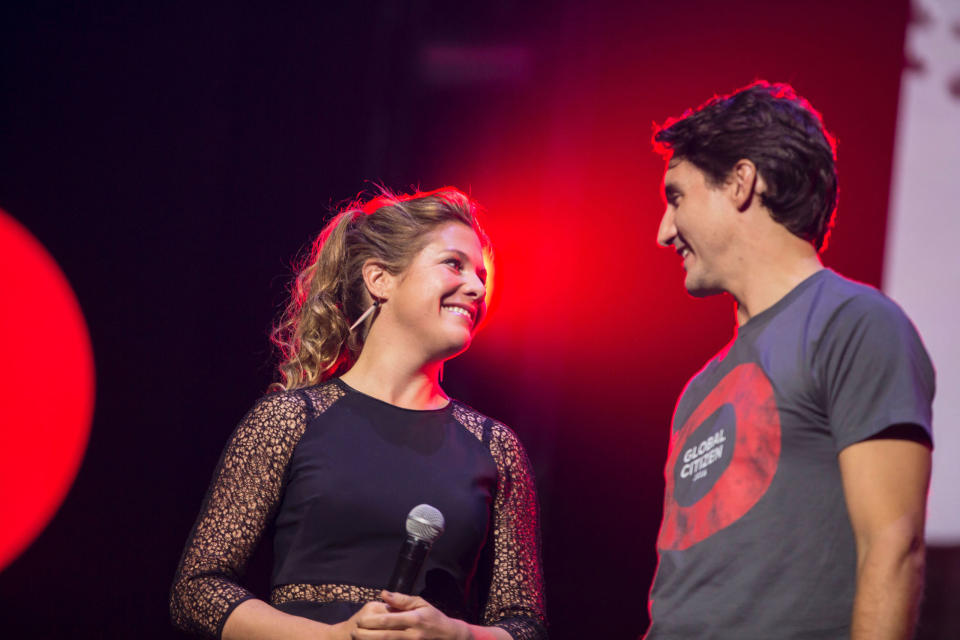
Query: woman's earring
[365, 315]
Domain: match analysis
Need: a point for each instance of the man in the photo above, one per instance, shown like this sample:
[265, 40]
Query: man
[799, 458]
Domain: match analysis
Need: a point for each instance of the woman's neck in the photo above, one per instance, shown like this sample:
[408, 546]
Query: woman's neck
[390, 379]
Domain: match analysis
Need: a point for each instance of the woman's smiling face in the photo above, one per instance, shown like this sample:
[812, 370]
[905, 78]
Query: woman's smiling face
[436, 303]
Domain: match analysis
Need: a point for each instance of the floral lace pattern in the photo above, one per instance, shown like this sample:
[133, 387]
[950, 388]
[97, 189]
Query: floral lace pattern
[516, 601]
[240, 502]
[323, 593]
[246, 491]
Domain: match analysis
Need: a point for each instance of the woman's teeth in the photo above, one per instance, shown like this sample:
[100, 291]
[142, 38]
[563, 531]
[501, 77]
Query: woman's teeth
[458, 310]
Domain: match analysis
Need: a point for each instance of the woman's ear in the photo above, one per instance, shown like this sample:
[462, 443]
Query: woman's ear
[378, 280]
[745, 183]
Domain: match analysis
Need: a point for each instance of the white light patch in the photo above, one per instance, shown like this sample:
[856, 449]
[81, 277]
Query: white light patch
[921, 260]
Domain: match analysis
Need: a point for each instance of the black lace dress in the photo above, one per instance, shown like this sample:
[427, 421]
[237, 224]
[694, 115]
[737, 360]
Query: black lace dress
[336, 472]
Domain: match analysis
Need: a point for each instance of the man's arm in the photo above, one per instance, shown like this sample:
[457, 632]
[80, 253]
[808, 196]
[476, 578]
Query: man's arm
[885, 482]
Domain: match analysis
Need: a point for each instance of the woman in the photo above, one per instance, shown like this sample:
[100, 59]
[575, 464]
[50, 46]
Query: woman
[358, 433]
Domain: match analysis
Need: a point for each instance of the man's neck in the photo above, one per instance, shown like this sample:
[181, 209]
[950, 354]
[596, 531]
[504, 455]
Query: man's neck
[773, 270]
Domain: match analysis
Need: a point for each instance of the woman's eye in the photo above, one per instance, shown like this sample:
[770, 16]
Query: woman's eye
[454, 262]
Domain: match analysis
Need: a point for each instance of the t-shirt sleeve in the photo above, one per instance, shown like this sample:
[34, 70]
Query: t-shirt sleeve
[516, 599]
[875, 370]
[242, 497]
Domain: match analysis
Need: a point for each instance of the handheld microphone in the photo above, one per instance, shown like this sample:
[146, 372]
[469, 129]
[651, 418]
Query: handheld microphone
[424, 526]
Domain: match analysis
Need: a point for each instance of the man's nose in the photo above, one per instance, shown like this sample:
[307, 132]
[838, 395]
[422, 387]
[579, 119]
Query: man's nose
[668, 228]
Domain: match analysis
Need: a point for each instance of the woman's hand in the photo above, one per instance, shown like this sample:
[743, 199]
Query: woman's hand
[403, 617]
[344, 630]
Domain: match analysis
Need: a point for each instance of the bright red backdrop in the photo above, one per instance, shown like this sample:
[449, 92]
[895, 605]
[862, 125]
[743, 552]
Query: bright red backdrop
[46, 387]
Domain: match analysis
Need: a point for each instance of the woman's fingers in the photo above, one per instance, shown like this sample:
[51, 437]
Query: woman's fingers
[402, 601]
[371, 608]
[396, 620]
[388, 614]
[379, 634]
[390, 626]
[407, 617]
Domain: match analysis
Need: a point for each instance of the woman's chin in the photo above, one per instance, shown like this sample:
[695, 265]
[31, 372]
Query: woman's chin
[454, 348]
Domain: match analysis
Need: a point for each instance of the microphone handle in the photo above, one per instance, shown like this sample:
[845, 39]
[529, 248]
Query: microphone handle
[413, 553]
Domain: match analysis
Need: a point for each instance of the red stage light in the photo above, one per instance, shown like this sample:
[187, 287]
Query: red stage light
[46, 388]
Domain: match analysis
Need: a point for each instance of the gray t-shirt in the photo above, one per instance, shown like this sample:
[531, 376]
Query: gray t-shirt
[756, 541]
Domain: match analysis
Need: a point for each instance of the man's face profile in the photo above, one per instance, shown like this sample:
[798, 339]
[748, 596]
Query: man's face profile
[697, 223]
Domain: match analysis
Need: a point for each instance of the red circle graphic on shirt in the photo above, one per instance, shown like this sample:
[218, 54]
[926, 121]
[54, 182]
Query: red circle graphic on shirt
[46, 388]
[743, 482]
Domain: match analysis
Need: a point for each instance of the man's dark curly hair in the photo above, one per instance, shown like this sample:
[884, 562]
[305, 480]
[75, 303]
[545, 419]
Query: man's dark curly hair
[782, 134]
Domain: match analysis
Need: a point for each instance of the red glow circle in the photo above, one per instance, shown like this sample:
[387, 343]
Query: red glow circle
[756, 455]
[46, 388]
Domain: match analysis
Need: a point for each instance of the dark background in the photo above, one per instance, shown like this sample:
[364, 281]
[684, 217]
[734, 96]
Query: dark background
[174, 158]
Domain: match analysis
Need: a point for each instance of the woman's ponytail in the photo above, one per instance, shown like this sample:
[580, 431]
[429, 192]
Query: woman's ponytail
[313, 329]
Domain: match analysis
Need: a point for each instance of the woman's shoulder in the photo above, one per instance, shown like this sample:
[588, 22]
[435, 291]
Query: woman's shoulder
[484, 427]
[475, 422]
[289, 409]
[322, 396]
[276, 414]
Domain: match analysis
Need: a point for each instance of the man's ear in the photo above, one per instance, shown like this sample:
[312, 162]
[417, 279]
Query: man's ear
[379, 281]
[745, 183]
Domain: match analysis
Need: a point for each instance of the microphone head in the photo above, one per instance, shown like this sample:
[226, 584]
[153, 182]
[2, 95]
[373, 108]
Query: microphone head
[425, 523]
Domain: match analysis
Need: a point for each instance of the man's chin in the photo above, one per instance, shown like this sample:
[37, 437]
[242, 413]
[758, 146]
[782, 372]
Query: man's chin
[699, 289]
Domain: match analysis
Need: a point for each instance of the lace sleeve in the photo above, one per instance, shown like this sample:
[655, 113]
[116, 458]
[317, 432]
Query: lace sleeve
[516, 601]
[239, 503]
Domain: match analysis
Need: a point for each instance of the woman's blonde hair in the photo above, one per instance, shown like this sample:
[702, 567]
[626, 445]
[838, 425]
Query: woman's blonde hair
[328, 294]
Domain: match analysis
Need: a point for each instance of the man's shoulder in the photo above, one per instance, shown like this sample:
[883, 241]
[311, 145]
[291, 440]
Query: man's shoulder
[845, 300]
[843, 286]
[829, 299]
